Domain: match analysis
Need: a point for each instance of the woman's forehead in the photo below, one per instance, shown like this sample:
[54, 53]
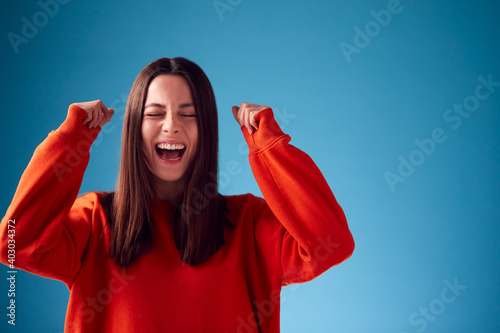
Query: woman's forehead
[168, 89]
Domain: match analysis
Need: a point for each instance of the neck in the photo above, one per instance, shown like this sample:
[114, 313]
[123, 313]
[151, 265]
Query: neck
[171, 192]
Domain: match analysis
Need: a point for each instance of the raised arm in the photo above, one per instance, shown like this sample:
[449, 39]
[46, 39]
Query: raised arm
[51, 230]
[317, 236]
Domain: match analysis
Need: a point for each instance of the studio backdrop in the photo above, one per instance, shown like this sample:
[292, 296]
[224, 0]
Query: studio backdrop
[397, 102]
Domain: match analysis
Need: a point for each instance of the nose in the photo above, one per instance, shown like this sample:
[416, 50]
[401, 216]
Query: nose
[170, 125]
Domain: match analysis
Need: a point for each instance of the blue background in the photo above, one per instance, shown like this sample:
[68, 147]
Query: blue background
[356, 115]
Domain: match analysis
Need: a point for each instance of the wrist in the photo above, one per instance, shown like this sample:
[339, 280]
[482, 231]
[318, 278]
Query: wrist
[268, 132]
[75, 131]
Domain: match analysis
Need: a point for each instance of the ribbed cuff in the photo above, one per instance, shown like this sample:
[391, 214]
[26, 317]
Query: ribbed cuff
[268, 132]
[74, 129]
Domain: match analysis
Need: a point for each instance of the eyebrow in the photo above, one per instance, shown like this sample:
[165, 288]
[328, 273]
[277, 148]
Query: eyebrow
[158, 105]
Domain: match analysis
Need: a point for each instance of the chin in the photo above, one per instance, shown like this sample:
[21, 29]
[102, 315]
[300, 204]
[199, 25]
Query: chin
[171, 177]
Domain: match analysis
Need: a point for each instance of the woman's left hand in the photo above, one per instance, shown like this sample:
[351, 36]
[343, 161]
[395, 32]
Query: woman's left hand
[245, 115]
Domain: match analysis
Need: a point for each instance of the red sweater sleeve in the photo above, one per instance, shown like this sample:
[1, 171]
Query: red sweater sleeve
[51, 229]
[317, 236]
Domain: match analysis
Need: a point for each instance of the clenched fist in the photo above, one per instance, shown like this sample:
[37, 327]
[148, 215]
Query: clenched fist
[97, 113]
[245, 115]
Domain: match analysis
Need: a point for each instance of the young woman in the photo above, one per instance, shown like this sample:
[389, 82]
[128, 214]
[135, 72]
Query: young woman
[165, 252]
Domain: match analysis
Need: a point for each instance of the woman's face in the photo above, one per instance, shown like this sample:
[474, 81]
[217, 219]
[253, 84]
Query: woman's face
[169, 128]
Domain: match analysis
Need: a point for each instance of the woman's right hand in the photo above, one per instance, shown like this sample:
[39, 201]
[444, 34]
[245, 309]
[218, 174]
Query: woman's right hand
[97, 113]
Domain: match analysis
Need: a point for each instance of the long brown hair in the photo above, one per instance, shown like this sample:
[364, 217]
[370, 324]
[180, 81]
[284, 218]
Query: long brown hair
[200, 217]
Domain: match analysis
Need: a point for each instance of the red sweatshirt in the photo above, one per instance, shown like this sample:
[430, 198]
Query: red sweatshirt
[295, 234]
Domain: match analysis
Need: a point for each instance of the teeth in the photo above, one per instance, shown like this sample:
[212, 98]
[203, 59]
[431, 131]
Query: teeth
[171, 146]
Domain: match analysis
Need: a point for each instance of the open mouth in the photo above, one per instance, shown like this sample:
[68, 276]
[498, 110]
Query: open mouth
[170, 151]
